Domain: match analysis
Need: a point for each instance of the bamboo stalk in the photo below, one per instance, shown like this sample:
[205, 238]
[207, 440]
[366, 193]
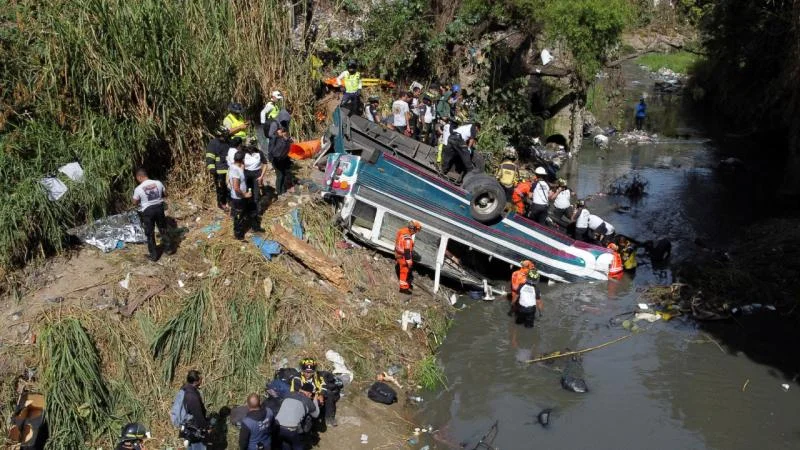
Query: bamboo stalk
[579, 352]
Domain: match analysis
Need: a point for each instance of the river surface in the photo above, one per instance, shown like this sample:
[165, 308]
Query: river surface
[666, 387]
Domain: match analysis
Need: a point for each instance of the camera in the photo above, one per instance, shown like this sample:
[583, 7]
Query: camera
[192, 433]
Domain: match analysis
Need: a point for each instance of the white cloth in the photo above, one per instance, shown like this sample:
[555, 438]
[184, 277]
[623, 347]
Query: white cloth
[339, 367]
[527, 296]
[465, 131]
[231, 153]
[399, 111]
[149, 193]
[541, 192]
[596, 221]
[368, 113]
[73, 171]
[264, 112]
[562, 199]
[445, 133]
[236, 172]
[55, 188]
[583, 219]
[546, 57]
[415, 106]
[429, 114]
[252, 161]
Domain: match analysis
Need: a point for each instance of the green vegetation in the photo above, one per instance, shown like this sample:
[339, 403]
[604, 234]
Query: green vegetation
[430, 374]
[112, 84]
[176, 340]
[78, 400]
[680, 62]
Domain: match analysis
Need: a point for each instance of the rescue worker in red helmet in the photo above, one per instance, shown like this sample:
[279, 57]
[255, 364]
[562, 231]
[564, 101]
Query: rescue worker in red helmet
[520, 276]
[404, 252]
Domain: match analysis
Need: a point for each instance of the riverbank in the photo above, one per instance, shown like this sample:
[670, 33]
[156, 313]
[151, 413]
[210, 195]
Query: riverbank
[253, 316]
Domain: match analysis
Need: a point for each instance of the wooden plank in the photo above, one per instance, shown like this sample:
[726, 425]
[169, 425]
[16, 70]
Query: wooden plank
[309, 256]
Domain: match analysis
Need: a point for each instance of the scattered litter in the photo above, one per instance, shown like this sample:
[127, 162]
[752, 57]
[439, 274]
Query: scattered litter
[785, 387]
[16, 316]
[181, 283]
[601, 141]
[227, 282]
[339, 367]
[416, 399]
[213, 271]
[110, 232]
[55, 188]
[394, 370]
[364, 439]
[267, 283]
[212, 228]
[427, 447]
[637, 137]
[667, 80]
[297, 227]
[346, 245]
[487, 291]
[453, 299]
[58, 299]
[416, 431]
[643, 306]
[126, 282]
[544, 417]
[73, 171]
[268, 248]
[410, 317]
[383, 376]
[650, 317]
[546, 57]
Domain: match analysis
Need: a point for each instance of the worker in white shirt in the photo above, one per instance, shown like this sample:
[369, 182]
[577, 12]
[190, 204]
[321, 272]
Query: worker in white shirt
[267, 116]
[561, 197]
[601, 230]
[540, 197]
[581, 218]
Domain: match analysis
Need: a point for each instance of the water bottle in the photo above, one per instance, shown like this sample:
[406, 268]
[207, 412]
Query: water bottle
[415, 399]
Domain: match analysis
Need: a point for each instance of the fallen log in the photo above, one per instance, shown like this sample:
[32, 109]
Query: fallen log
[136, 303]
[309, 256]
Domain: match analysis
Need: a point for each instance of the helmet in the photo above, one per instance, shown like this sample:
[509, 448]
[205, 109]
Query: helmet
[540, 171]
[562, 182]
[414, 225]
[133, 432]
[221, 132]
[352, 65]
[308, 364]
[456, 88]
[235, 108]
[580, 204]
[527, 264]
[277, 95]
[533, 274]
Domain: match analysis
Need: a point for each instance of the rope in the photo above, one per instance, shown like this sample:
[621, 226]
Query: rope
[578, 352]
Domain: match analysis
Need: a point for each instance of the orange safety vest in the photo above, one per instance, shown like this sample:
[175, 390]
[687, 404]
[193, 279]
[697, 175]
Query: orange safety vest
[615, 271]
[403, 244]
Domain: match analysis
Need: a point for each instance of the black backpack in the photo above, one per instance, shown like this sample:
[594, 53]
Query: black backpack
[286, 374]
[382, 393]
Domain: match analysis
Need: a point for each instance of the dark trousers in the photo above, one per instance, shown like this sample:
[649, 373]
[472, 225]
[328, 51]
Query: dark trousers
[239, 215]
[560, 216]
[640, 123]
[580, 234]
[328, 410]
[251, 177]
[283, 174]
[291, 440]
[221, 187]
[150, 217]
[454, 156]
[538, 213]
[526, 316]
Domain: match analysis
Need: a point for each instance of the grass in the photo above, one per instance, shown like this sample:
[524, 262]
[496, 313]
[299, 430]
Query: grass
[176, 340]
[680, 62]
[115, 84]
[430, 374]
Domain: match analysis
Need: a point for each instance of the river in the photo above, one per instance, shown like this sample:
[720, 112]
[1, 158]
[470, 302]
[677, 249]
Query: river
[666, 387]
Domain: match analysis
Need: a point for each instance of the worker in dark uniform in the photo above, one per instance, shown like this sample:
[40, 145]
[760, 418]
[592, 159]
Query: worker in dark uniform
[217, 165]
[324, 385]
[279, 156]
[132, 437]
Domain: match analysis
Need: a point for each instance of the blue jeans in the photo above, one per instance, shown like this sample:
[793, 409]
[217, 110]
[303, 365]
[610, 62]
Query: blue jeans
[196, 446]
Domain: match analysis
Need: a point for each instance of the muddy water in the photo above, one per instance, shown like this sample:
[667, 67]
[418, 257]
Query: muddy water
[667, 387]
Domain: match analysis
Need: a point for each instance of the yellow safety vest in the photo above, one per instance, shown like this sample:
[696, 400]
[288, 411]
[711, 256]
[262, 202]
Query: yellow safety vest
[351, 82]
[273, 113]
[231, 122]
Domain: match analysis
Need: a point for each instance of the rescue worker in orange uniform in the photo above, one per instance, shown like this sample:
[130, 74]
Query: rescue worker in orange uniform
[615, 271]
[520, 276]
[522, 194]
[404, 252]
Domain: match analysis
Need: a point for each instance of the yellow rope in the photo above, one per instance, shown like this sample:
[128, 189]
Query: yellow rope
[578, 352]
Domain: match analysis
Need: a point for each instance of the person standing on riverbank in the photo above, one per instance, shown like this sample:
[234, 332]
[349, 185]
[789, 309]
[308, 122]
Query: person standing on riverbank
[255, 168]
[641, 114]
[520, 276]
[240, 195]
[234, 122]
[149, 197]
[268, 115]
[217, 165]
[404, 253]
[279, 155]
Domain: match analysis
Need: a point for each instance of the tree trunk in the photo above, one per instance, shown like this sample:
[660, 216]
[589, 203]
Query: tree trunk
[310, 257]
[576, 131]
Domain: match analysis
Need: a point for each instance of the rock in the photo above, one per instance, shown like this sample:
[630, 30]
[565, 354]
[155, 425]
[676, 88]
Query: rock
[544, 417]
[573, 384]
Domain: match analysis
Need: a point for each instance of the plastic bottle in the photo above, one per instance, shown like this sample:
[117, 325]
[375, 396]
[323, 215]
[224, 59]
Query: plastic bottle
[415, 399]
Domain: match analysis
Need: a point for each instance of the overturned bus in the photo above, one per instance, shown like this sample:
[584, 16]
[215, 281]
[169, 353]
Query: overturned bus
[380, 181]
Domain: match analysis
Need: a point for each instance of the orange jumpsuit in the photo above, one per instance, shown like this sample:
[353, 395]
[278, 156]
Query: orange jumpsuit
[518, 278]
[520, 196]
[615, 271]
[403, 252]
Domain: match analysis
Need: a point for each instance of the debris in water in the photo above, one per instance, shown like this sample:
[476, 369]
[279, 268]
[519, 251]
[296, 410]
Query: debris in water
[631, 186]
[573, 384]
[637, 137]
[544, 417]
[785, 387]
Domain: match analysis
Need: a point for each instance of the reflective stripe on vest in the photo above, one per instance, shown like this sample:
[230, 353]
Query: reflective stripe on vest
[351, 82]
[235, 122]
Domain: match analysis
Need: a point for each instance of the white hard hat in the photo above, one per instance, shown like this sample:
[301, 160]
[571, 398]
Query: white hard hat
[540, 171]
[277, 95]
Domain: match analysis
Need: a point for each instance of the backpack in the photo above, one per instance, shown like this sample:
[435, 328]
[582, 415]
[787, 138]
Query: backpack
[178, 414]
[382, 393]
[286, 374]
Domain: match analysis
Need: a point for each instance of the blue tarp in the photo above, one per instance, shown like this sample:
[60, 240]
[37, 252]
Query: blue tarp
[297, 227]
[268, 248]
